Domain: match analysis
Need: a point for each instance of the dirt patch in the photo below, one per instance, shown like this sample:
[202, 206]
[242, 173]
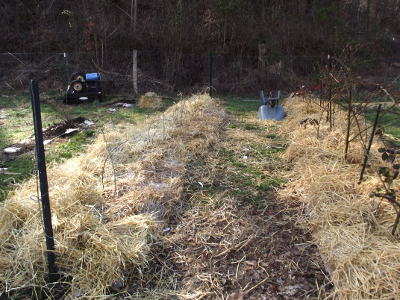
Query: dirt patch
[123, 103]
[50, 133]
[61, 128]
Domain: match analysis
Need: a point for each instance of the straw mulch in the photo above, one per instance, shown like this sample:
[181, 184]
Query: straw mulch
[352, 230]
[155, 211]
[109, 206]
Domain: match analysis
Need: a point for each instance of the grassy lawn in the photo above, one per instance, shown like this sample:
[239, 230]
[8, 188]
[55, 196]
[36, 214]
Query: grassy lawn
[241, 108]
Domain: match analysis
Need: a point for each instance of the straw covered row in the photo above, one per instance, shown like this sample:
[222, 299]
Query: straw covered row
[109, 205]
[352, 230]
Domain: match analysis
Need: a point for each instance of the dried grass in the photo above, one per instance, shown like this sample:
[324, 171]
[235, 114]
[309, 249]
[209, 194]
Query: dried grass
[109, 205]
[351, 230]
[150, 100]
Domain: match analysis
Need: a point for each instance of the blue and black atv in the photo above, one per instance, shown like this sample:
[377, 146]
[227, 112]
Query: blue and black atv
[83, 87]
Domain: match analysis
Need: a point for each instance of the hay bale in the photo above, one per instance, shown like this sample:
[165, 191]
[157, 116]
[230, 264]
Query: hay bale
[150, 100]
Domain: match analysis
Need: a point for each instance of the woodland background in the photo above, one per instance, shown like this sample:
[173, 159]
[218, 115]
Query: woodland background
[255, 44]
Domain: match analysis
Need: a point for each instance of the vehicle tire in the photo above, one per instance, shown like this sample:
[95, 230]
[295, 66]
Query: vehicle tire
[78, 86]
[78, 76]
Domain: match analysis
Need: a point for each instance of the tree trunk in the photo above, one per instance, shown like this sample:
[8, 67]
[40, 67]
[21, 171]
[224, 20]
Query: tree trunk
[133, 16]
[134, 73]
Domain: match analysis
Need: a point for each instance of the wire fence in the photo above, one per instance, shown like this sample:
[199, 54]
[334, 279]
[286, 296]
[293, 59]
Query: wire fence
[166, 72]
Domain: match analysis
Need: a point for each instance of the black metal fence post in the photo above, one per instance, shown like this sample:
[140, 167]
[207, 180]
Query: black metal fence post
[44, 188]
[370, 143]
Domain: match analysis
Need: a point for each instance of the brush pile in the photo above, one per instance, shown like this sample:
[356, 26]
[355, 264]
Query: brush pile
[352, 230]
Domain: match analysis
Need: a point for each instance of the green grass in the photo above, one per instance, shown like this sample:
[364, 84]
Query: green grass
[249, 183]
[251, 127]
[391, 122]
[271, 136]
[76, 145]
[18, 170]
[241, 108]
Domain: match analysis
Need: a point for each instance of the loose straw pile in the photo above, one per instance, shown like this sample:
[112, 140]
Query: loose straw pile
[352, 230]
[110, 205]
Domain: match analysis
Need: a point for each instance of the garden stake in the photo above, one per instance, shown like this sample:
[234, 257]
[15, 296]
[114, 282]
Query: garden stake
[370, 143]
[44, 188]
